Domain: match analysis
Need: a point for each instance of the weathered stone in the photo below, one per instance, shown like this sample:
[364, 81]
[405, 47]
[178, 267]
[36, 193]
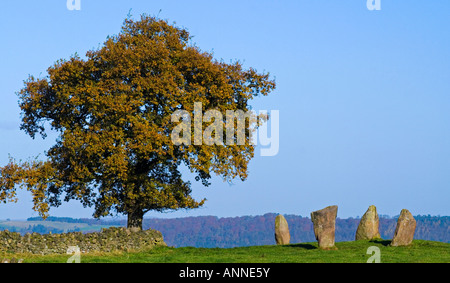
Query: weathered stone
[282, 235]
[324, 222]
[404, 232]
[368, 228]
[119, 239]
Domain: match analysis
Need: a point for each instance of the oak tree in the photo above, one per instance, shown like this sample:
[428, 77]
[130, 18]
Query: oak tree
[112, 114]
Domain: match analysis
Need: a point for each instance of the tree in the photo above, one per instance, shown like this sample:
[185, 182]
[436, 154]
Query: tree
[112, 113]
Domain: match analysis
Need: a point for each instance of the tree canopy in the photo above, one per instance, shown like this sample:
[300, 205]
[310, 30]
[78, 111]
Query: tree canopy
[112, 114]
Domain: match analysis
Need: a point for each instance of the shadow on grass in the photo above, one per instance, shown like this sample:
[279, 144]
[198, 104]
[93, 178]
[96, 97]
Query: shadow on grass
[301, 246]
[381, 241]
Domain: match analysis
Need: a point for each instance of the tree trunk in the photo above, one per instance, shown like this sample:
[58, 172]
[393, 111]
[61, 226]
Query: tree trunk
[135, 220]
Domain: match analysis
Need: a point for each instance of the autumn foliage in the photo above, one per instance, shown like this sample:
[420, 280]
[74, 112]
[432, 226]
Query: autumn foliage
[112, 113]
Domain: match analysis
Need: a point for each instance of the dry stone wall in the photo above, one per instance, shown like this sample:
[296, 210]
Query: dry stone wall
[108, 240]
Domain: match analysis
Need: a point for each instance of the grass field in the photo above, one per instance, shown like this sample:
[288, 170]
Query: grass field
[348, 252]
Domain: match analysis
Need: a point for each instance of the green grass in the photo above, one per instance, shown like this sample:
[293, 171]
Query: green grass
[347, 252]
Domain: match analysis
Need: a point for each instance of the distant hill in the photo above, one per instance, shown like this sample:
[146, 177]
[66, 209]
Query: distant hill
[53, 225]
[211, 231]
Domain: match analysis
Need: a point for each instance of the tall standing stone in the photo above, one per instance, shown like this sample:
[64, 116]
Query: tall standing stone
[404, 232]
[282, 235]
[324, 222]
[368, 228]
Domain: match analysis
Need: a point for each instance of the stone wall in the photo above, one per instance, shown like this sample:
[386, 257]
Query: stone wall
[108, 240]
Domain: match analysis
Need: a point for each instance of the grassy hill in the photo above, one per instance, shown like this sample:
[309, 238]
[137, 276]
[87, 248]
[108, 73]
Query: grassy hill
[198, 229]
[420, 251]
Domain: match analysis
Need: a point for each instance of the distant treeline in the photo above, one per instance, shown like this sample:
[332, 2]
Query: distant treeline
[211, 231]
[58, 219]
[37, 228]
[91, 221]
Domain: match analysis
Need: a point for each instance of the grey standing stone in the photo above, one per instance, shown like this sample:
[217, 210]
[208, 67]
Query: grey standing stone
[324, 222]
[404, 232]
[282, 235]
[368, 228]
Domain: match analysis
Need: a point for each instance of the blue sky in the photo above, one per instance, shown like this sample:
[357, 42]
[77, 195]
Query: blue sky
[364, 96]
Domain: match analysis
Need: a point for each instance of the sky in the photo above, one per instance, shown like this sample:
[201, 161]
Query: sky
[363, 96]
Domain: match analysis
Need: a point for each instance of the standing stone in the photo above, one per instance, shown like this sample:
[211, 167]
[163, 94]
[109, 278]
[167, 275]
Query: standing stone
[404, 232]
[282, 236]
[324, 222]
[369, 225]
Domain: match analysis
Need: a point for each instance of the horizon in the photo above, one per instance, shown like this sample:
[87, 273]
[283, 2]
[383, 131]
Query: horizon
[362, 97]
[123, 218]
